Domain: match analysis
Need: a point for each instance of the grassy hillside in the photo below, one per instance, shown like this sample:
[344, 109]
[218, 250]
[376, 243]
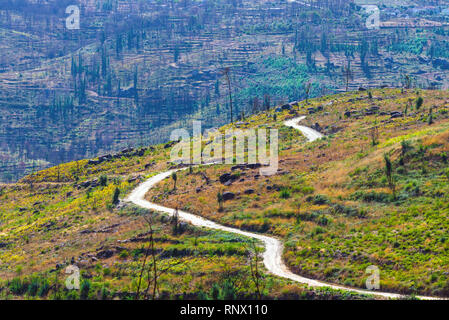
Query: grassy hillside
[67, 215]
[331, 203]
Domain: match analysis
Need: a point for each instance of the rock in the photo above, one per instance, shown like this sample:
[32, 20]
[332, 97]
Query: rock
[249, 191]
[170, 144]
[227, 183]
[228, 179]
[130, 180]
[225, 177]
[127, 150]
[228, 196]
[286, 107]
[93, 162]
[278, 110]
[105, 254]
[396, 114]
[246, 166]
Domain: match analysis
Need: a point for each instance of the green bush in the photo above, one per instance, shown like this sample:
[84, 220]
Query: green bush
[85, 289]
[371, 196]
[285, 194]
[115, 199]
[34, 286]
[17, 286]
[419, 102]
[44, 288]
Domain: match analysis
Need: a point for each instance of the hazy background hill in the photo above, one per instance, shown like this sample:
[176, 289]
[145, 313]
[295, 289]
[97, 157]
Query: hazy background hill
[137, 69]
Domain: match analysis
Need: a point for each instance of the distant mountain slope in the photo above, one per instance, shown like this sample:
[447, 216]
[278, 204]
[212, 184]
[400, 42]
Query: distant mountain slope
[136, 70]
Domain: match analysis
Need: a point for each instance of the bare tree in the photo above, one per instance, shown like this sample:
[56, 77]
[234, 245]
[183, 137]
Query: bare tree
[256, 276]
[307, 88]
[374, 133]
[266, 101]
[147, 250]
[347, 72]
[153, 271]
[407, 81]
[226, 72]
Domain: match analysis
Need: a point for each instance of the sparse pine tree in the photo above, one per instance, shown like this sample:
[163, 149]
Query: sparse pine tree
[174, 177]
[115, 199]
[220, 201]
[419, 103]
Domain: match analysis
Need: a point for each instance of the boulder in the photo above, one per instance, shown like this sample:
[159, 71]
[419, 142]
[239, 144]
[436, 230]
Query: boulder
[225, 177]
[249, 191]
[105, 254]
[228, 196]
[396, 114]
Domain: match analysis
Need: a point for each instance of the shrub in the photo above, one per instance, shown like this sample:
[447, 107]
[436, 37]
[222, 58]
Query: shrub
[285, 194]
[419, 102]
[44, 288]
[103, 180]
[371, 196]
[17, 286]
[123, 254]
[115, 199]
[84, 289]
[318, 199]
[33, 287]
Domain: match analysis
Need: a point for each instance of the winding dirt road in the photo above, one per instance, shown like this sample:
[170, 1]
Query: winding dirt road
[272, 256]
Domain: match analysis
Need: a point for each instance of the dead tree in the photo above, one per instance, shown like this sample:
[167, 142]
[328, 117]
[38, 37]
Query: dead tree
[347, 72]
[226, 74]
[374, 133]
[147, 250]
[256, 276]
[307, 91]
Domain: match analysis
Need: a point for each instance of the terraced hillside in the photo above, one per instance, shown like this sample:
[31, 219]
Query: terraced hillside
[138, 69]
